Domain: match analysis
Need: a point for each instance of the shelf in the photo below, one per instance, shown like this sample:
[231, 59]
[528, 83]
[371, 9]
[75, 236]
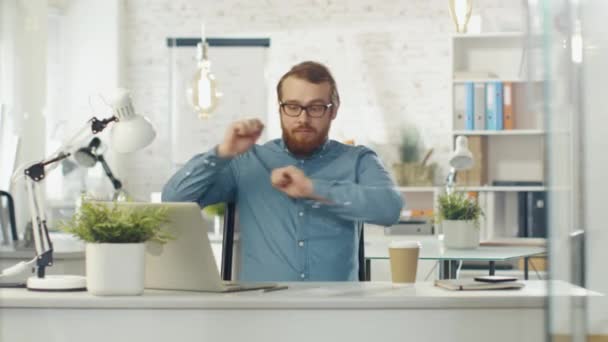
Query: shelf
[417, 188]
[490, 79]
[500, 188]
[489, 35]
[502, 132]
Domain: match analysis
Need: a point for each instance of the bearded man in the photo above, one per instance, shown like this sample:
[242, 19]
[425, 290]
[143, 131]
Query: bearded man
[299, 198]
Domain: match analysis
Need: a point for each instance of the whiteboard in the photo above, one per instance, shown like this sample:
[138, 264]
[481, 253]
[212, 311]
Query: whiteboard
[240, 73]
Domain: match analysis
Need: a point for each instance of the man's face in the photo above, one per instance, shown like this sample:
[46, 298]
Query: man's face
[303, 134]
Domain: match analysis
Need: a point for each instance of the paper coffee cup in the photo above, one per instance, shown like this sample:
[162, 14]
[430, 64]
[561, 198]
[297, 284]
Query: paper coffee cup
[404, 260]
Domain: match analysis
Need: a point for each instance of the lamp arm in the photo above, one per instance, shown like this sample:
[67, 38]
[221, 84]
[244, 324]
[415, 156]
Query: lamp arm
[93, 126]
[34, 174]
[115, 182]
[42, 240]
[450, 180]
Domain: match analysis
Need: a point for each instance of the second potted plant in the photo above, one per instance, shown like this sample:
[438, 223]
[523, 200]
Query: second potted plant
[459, 217]
[115, 244]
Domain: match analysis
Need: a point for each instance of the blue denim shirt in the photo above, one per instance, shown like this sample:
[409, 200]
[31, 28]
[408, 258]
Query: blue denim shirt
[288, 239]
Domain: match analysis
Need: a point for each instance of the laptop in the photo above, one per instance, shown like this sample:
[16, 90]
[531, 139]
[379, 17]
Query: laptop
[186, 263]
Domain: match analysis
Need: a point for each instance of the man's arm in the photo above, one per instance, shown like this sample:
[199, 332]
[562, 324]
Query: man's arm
[374, 198]
[205, 179]
[209, 178]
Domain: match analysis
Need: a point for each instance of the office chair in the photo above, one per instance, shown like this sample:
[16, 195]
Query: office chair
[10, 206]
[228, 244]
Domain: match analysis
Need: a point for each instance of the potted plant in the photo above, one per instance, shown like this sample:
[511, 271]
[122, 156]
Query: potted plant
[412, 171]
[459, 216]
[115, 244]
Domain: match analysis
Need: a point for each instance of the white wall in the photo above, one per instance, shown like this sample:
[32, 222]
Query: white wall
[390, 59]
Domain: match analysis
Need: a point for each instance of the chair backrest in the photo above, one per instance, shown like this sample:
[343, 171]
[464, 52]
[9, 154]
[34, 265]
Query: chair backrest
[228, 245]
[9, 208]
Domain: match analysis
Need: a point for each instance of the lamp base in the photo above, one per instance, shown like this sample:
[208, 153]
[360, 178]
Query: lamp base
[57, 283]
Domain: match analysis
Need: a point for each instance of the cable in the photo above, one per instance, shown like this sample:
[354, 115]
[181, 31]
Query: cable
[458, 270]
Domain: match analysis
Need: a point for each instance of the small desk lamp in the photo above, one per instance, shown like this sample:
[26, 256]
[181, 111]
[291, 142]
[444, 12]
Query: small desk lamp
[461, 159]
[89, 156]
[131, 132]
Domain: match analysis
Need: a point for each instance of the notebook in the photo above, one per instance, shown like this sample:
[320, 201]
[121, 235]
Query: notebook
[472, 285]
[186, 263]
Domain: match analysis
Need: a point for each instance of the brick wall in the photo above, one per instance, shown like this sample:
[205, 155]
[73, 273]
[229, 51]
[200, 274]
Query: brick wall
[390, 58]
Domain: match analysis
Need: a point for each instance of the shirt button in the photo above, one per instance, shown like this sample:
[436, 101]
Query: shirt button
[301, 243]
[302, 275]
[301, 213]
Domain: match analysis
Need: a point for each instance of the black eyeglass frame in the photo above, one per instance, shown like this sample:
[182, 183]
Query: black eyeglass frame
[305, 108]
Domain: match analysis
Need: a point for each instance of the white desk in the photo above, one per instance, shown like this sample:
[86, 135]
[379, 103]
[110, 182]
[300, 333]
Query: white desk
[433, 249]
[304, 312]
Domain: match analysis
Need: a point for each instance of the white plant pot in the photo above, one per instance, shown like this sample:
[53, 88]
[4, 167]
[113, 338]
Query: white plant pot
[460, 234]
[115, 269]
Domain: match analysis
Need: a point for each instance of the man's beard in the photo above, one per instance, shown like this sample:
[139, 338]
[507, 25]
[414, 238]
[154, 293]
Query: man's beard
[304, 146]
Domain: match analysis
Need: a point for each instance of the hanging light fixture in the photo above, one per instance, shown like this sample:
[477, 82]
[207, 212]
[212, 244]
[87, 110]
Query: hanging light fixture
[460, 10]
[203, 93]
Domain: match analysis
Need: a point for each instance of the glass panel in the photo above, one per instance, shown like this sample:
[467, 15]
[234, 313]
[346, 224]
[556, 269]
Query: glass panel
[573, 63]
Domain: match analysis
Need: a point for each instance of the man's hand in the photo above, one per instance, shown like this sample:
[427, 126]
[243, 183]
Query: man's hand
[240, 137]
[292, 181]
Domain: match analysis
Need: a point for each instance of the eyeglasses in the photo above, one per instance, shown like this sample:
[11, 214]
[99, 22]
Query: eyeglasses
[314, 111]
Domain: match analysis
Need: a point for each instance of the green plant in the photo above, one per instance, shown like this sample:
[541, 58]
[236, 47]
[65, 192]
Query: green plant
[458, 207]
[409, 149]
[99, 223]
[217, 209]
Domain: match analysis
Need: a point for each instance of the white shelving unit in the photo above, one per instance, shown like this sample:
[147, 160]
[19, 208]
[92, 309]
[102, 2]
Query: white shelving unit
[514, 155]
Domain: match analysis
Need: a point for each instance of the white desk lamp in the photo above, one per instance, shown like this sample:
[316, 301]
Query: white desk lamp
[461, 159]
[131, 132]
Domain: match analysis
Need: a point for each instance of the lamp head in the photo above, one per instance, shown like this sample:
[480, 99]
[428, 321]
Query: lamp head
[131, 132]
[462, 158]
[87, 156]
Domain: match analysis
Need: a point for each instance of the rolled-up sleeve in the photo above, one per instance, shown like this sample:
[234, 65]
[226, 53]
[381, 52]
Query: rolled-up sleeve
[374, 198]
[206, 179]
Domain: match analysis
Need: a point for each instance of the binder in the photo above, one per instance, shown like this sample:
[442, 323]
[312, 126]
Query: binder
[480, 107]
[460, 107]
[469, 106]
[532, 209]
[494, 104]
[509, 120]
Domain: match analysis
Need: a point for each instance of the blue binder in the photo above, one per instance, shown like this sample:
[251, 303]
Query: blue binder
[494, 103]
[469, 106]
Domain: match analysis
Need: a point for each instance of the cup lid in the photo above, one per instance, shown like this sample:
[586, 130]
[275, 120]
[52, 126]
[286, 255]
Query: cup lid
[404, 244]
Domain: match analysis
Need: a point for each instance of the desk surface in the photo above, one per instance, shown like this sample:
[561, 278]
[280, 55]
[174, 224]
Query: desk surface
[433, 249]
[331, 295]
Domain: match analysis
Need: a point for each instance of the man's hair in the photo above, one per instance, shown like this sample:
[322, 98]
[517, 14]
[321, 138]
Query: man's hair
[315, 73]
